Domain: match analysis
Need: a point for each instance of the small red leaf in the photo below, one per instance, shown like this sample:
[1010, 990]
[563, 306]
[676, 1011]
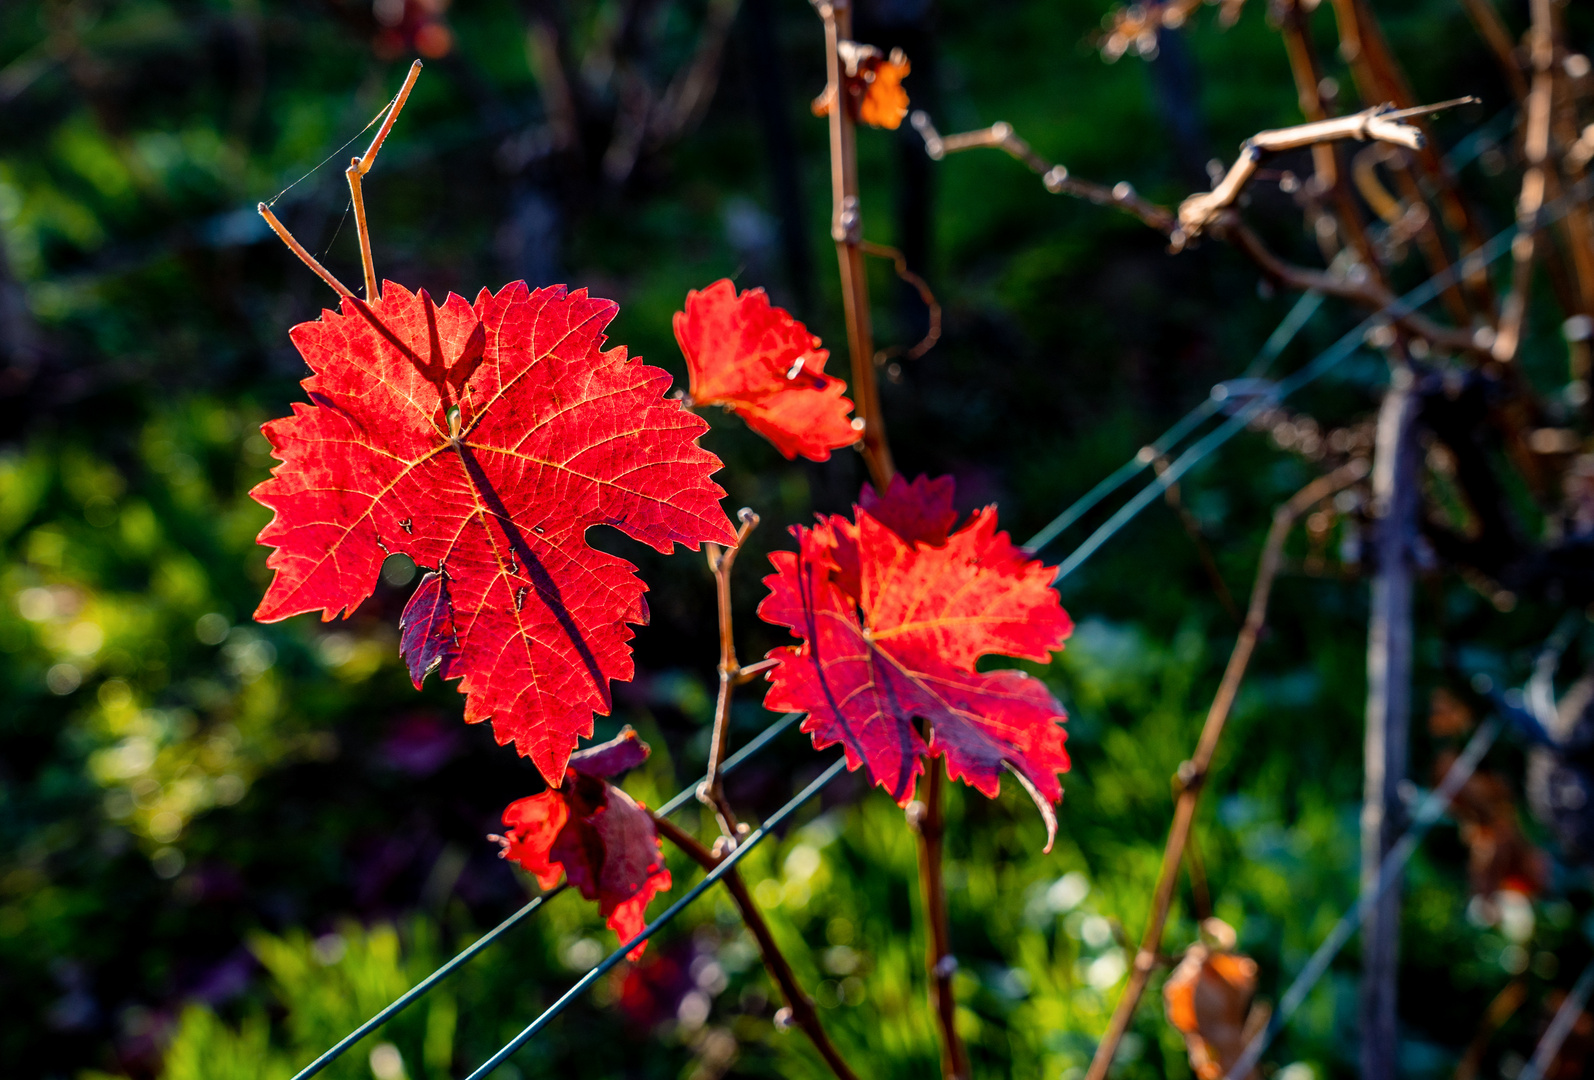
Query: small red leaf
[483, 440]
[891, 632]
[596, 835]
[755, 359]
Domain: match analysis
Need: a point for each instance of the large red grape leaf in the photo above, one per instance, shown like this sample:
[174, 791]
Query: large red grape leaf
[594, 834]
[891, 632]
[758, 361]
[483, 440]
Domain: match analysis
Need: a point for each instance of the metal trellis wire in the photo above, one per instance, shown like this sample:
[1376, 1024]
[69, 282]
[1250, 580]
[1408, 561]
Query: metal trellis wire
[713, 876]
[1320, 365]
[1560, 1027]
[420, 989]
[1428, 812]
[1297, 317]
[1293, 322]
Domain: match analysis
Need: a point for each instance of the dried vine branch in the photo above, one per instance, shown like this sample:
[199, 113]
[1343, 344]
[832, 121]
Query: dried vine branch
[1381, 123]
[801, 1007]
[1000, 136]
[1192, 775]
[732, 674]
[1364, 291]
[1536, 149]
[357, 169]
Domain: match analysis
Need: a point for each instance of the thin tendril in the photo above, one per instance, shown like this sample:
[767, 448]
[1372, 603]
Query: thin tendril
[340, 150]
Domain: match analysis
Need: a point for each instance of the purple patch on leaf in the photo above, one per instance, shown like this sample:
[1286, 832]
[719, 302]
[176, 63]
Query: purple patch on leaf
[427, 626]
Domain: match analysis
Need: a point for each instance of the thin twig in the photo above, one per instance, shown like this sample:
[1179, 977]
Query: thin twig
[1536, 149]
[361, 165]
[1192, 774]
[1192, 528]
[1327, 161]
[1381, 123]
[1000, 136]
[846, 229]
[1379, 78]
[298, 249]
[712, 790]
[1365, 292]
[928, 819]
[803, 1013]
[1498, 38]
[932, 334]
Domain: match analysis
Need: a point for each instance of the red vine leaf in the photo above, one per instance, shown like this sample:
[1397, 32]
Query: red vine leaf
[483, 441]
[892, 627]
[596, 835]
[759, 362]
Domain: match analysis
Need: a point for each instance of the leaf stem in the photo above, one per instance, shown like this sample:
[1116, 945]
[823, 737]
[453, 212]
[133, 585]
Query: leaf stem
[801, 1007]
[928, 819]
[712, 790]
[1192, 775]
[361, 165]
[298, 249]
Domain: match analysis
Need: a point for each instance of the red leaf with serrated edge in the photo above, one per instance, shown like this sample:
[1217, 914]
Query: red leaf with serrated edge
[891, 631]
[758, 361]
[594, 834]
[483, 440]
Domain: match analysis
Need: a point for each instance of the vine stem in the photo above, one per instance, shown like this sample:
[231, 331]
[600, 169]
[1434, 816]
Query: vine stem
[846, 229]
[1192, 774]
[928, 818]
[712, 791]
[798, 1003]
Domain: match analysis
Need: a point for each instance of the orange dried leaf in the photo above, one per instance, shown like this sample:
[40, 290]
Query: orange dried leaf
[872, 85]
[1208, 999]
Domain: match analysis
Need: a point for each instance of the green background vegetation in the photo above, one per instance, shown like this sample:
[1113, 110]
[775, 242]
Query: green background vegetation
[224, 844]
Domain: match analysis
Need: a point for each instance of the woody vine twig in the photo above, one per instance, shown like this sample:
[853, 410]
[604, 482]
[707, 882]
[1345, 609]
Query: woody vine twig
[846, 229]
[362, 165]
[1192, 775]
[798, 1004]
[731, 674]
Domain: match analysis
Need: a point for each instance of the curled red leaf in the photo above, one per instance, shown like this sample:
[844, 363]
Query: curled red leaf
[594, 834]
[891, 630]
[483, 440]
[755, 359]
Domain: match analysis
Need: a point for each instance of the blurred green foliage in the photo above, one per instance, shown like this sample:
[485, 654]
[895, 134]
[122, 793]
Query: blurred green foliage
[210, 829]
